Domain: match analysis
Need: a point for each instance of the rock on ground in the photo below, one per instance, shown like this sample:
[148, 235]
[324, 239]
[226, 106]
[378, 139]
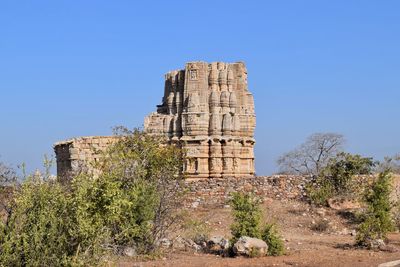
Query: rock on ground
[248, 246]
[217, 244]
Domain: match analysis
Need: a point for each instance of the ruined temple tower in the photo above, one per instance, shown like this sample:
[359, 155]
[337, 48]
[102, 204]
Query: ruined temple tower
[206, 109]
[209, 111]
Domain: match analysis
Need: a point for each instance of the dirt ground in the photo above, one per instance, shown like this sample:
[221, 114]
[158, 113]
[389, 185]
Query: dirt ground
[305, 246]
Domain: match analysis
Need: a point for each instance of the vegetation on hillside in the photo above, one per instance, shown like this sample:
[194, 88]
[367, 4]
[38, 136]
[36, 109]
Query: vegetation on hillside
[132, 203]
[337, 178]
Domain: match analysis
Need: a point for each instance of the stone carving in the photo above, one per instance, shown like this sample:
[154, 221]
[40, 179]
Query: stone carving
[208, 110]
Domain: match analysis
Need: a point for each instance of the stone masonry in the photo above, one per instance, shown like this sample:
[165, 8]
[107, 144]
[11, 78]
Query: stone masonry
[209, 111]
[206, 109]
[77, 153]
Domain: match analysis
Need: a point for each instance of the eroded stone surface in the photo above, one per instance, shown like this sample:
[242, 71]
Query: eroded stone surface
[208, 110]
[80, 153]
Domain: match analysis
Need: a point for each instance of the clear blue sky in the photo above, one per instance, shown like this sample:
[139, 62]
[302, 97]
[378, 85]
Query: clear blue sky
[76, 68]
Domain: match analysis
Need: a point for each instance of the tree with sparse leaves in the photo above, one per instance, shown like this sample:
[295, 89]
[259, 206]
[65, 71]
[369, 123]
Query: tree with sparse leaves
[313, 155]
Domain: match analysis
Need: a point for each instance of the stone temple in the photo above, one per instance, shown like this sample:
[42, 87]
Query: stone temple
[206, 109]
[209, 111]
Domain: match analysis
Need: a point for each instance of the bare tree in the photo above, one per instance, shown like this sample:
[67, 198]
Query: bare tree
[391, 163]
[313, 155]
[8, 175]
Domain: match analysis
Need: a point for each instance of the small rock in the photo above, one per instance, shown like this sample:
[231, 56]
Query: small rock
[179, 243]
[217, 244]
[344, 232]
[129, 252]
[321, 211]
[376, 243]
[195, 204]
[249, 246]
[165, 243]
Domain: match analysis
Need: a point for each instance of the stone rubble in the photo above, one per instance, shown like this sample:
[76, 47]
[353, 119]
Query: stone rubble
[217, 192]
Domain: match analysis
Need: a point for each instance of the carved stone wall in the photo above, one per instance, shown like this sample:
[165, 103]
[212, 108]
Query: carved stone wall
[209, 111]
[206, 109]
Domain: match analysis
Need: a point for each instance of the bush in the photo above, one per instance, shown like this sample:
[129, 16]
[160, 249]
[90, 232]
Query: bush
[123, 215]
[37, 231]
[273, 239]
[396, 213]
[247, 222]
[377, 220]
[337, 178]
[320, 194]
[246, 216]
[133, 201]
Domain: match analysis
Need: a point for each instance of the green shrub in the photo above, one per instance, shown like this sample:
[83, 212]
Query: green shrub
[377, 220]
[37, 231]
[254, 253]
[396, 213]
[247, 222]
[246, 216]
[108, 212]
[132, 201]
[337, 178]
[273, 239]
[319, 195]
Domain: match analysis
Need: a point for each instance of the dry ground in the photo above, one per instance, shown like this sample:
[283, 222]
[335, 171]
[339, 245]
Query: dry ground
[305, 247]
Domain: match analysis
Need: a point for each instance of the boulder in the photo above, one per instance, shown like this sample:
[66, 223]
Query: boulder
[201, 240]
[376, 243]
[217, 244]
[190, 244]
[251, 247]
